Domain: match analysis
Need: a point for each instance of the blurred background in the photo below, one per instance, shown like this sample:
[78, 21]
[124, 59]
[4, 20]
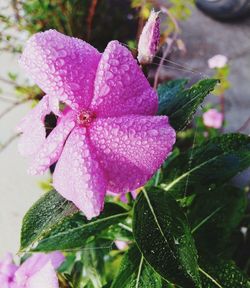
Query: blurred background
[190, 36]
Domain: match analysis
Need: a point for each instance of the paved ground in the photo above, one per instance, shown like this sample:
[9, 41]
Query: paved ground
[203, 37]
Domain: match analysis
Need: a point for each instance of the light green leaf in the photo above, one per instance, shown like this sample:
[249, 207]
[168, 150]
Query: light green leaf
[53, 223]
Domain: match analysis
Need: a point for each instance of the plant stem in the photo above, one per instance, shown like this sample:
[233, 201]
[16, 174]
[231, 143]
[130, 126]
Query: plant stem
[210, 277]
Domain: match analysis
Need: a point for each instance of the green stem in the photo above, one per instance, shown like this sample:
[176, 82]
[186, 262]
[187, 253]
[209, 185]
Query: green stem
[210, 277]
[205, 220]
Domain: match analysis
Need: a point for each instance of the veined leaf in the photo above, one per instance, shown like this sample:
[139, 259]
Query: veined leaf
[167, 91]
[219, 212]
[63, 229]
[222, 274]
[163, 236]
[135, 272]
[179, 104]
[209, 165]
[50, 209]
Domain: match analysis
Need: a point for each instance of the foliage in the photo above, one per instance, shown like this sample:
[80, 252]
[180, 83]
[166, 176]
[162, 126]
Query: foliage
[183, 224]
[184, 227]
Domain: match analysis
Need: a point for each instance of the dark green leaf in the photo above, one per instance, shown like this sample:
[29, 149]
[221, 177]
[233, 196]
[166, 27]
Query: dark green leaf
[162, 234]
[136, 272]
[63, 229]
[167, 91]
[214, 215]
[209, 165]
[224, 273]
[179, 104]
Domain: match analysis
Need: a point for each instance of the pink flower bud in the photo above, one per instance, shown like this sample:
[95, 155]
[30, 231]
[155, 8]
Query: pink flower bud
[149, 39]
[217, 61]
[213, 119]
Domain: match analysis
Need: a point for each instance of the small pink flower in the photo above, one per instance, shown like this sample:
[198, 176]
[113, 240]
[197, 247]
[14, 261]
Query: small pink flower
[121, 245]
[217, 61]
[38, 271]
[107, 139]
[149, 39]
[213, 119]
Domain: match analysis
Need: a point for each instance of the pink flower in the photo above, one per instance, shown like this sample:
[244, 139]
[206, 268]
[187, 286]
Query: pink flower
[217, 61]
[38, 271]
[121, 245]
[212, 118]
[107, 139]
[7, 271]
[149, 39]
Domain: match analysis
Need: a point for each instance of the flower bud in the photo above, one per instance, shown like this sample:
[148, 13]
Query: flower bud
[149, 39]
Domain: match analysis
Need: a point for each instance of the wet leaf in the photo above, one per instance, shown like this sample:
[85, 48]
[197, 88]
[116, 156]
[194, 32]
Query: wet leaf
[52, 223]
[209, 165]
[163, 236]
[180, 104]
[136, 272]
[225, 273]
[214, 215]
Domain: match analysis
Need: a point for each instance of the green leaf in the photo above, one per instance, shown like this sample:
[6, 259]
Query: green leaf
[214, 215]
[224, 273]
[162, 234]
[167, 91]
[43, 215]
[179, 104]
[51, 225]
[208, 165]
[135, 272]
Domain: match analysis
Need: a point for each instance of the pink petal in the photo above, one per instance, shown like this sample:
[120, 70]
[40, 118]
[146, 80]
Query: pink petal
[33, 129]
[78, 177]
[120, 86]
[7, 269]
[121, 245]
[36, 262]
[62, 66]
[53, 145]
[45, 277]
[54, 105]
[130, 149]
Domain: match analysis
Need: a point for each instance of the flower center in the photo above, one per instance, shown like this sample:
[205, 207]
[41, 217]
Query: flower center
[85, 117]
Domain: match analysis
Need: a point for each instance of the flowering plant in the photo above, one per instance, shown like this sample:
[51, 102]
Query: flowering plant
[115, 134]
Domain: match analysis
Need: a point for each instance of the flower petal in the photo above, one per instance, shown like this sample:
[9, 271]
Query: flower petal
[120, 86]
[131, 148]
[53, 145]
[62, 66]
[36, 262]
[78, 176]
[7, 267]
[32, 126]
[45, 277]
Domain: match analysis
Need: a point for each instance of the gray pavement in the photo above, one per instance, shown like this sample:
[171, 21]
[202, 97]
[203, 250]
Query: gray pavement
[204, 38]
